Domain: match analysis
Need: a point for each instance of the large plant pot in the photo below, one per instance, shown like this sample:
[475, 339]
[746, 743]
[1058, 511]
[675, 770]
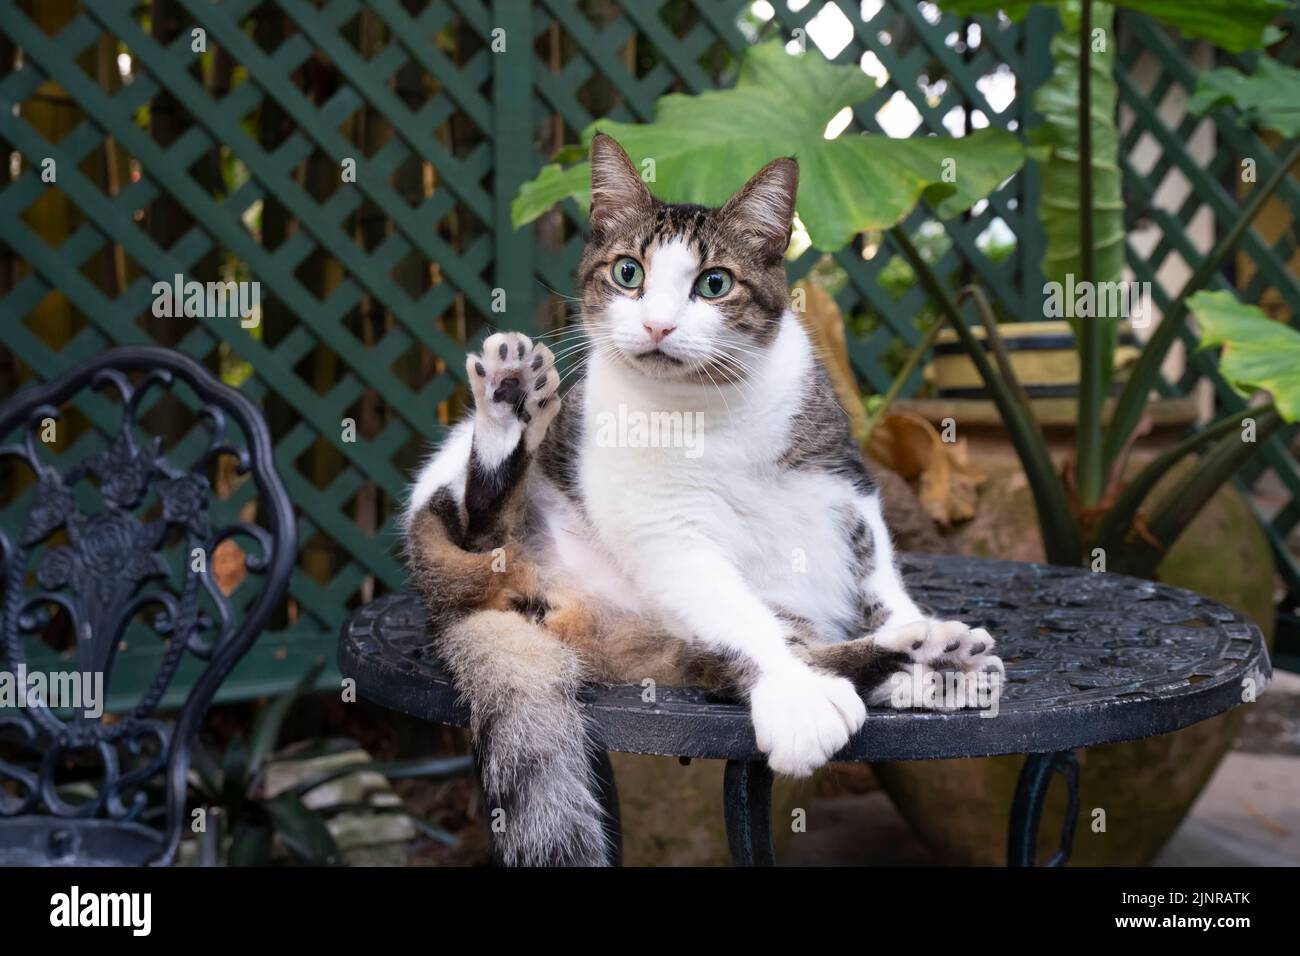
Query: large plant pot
[672, 814]
[1143, 789]
[1043, 354]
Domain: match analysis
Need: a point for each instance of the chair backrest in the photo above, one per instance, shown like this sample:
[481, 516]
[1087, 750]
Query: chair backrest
[187, 550]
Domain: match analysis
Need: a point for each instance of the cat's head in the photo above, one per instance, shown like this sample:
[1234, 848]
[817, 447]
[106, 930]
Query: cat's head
[683, 292]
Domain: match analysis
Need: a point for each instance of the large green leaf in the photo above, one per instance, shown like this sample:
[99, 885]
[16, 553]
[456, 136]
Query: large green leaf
[1056, 142]
[303, 831]
[234, 775]
[1058, 137]
[1269, 97]
[1235, 25]
[250, 845]
[705, 147]
[1257, 351]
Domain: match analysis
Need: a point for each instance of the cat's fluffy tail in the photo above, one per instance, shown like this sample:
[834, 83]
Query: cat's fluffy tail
[534, 750]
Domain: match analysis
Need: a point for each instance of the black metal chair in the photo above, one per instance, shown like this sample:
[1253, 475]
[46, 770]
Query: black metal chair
[118, 543]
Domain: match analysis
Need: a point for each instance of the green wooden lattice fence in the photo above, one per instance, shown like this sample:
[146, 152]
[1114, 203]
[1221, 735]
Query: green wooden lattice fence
[226, 163]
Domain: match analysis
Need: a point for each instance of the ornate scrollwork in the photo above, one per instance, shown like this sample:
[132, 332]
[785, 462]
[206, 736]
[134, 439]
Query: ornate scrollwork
[120, 564]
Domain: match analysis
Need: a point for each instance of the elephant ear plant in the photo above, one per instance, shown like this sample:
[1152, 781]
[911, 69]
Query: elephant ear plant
[1093, 506]
[700, 148]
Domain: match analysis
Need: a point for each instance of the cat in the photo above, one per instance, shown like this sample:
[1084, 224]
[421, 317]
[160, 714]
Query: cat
[552, 549]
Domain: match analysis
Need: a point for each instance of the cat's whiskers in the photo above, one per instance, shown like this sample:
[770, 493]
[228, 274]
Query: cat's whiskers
[557, 293]
[588, 341]
[563, 342]
[573, 348]
[563, 331]
[593, 348]
[730, 352]
[736, 364]
[577, 366]
[575, 344]
[738, 374]
[819, 385]
[722, 354]
[726, 404]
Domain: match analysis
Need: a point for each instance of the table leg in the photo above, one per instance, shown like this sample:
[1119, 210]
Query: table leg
[603, 771]
[1027, 807]
[747, 805]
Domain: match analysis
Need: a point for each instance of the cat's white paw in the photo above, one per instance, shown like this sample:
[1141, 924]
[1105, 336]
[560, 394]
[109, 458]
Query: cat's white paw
[803, 717]
[938, 648]
[514, 380]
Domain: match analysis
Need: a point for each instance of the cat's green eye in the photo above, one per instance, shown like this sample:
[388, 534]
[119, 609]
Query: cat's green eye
[628, 273]
[713, 283]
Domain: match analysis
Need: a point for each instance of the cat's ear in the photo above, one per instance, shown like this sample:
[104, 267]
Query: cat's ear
[763, 211]
[618, 196]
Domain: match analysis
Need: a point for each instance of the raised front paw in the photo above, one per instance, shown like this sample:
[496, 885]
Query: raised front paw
[802, 718]
[515, 380]
[937, 649]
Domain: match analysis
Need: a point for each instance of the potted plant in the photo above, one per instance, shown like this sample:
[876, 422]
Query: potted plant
[1044, 358]
[1100, 511]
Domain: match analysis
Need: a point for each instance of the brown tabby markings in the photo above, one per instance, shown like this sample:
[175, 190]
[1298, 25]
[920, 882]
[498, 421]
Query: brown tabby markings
[760, 294]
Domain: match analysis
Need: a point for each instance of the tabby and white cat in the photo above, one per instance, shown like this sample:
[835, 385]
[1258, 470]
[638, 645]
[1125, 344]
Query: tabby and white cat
[757, 559]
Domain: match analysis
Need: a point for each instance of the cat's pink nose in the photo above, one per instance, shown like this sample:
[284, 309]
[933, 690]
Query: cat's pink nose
[656, 331]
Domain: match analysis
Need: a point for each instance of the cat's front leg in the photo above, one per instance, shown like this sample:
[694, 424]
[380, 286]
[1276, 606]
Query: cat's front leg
[515, 386]
[803, 717]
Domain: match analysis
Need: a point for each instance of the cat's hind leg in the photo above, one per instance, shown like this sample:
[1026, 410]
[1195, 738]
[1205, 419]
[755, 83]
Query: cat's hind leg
[934, 641]
[933, 665]
[895, 625]
[521, 684]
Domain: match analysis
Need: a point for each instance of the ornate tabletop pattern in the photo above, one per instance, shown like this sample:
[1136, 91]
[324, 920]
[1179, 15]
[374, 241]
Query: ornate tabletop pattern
[1091, 658]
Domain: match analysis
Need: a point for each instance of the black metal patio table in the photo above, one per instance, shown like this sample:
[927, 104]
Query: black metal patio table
[1091, 658]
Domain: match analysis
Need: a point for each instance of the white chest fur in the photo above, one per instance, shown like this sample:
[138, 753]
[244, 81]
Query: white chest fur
[665, 468]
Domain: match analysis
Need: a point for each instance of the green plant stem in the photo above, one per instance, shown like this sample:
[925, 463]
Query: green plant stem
[265, 733]
[1091, 331]
[993, 336]
[1186, 500]
[896, 386]
[1061, 537]
[1114, 526]
[1146, 371]
[1087, 252]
